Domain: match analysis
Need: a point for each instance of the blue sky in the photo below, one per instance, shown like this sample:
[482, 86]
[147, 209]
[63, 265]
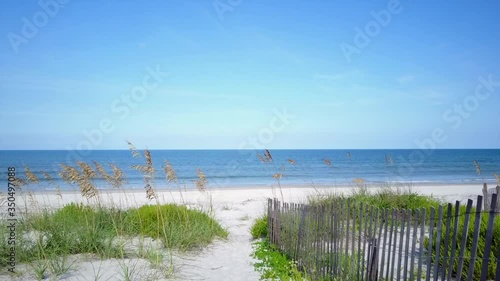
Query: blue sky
[233, 64]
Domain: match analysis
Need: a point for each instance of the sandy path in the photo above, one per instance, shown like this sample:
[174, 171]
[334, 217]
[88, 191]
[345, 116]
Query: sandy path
[231, 259]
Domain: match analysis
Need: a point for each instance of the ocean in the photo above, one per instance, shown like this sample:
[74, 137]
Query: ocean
[242, 168]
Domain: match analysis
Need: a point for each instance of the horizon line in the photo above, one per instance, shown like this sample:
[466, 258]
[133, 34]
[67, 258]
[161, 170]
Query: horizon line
[250, 149]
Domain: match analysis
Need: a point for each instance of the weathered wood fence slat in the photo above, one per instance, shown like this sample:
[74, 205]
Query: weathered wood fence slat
[350, 240]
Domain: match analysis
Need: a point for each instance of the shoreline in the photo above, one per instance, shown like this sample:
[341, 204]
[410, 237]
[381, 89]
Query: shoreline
[448, 193]
[250, 187]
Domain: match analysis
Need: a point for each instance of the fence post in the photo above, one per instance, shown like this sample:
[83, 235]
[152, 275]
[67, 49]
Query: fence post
[304, 210]
[489, 238]
[373, 265]
[269, 219]
[497, 191]
[486, 197]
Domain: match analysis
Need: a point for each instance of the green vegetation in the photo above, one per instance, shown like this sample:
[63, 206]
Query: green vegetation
[385, 197]
[277, 265]
[177, 226]
[468, 247]
[74, 229]
[259, 228]
[273, 265]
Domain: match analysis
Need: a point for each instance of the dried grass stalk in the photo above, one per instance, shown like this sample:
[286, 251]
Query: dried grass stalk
[201, 183]
[134, 151]
[268, 156]
[118, 176]
[144, 169]
[497, 177]
[102, 172]
[30, 176]
[147, 155]
[19, 183]
[87, 170]
[262, 159]
[49, 179]
[349, 155]
[291, 161]
[278, 176]
[87, 187]
[359, 181]
[478, 168]
[83, 180]
[169, 172]
[327, 161]
[69, 174]
[150, 192]
[148, 173]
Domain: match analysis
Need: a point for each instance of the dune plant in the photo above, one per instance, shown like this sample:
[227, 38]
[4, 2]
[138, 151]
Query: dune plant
[267, 159]
[259, 228]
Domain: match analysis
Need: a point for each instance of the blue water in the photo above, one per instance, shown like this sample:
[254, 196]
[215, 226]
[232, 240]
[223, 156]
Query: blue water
[227, 168]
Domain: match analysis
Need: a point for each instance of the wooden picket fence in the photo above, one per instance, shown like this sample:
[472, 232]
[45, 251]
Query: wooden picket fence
[349, 240]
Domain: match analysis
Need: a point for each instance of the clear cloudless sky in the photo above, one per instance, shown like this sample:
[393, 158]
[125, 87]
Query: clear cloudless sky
[231, 68]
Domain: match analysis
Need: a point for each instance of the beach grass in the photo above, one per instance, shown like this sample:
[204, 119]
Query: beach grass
[384, 197]
[79, 229]
[46, 237]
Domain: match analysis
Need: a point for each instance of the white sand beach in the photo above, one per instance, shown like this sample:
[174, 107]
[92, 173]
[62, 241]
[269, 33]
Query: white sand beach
[235, 208]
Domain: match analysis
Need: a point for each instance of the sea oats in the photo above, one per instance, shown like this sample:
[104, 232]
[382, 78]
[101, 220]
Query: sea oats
[262, 159]
[144, 169]
[147, 155]
[349, 155]
[102, 172]
[118, 176]
[478, 168]
[358, 180]
[497, 177]
[134, 151]
[47, 177]
[69, 174]
[327, 161]
[30, 176]
[87, 170]
[278, 176]
[58, 191]
[19, 183]
[201, 183]
[390, 159]
[291, 161]
[169, 172]
[386, 160]
[268, 156]
[150, 192]
[87, 187]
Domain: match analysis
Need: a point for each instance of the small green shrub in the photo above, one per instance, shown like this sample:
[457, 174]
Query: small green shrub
[177, 226]
[273, 265]
[259, 228]
[385, 197]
